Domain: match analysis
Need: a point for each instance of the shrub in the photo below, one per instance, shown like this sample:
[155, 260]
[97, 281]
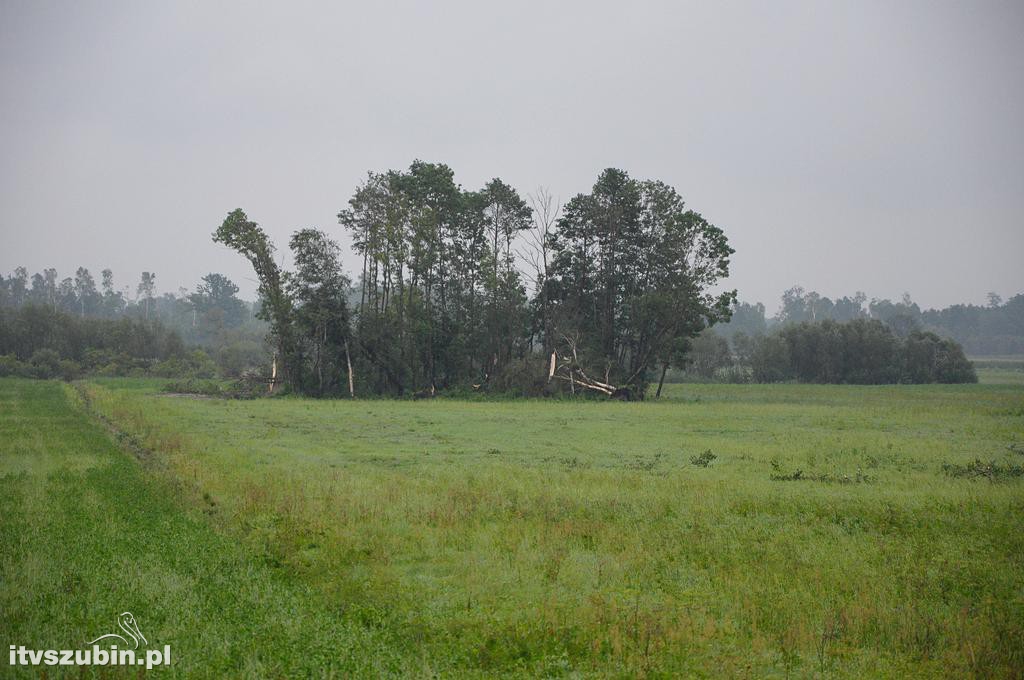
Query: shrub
[238, 357]
[991, 470]
[45, 363]
[11, 367]
[704, 459]
[929, 358]
[205, 387]
[70, 370]
[525, 377]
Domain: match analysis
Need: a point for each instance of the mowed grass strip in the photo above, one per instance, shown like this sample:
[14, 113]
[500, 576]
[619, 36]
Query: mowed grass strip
[820, 536]
[85, 534]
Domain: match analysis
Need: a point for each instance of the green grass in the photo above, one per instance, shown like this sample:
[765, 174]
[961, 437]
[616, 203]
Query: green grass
[86, 533]
[1004, 370]
[545, 538]
[532, 538]
[1001, 376]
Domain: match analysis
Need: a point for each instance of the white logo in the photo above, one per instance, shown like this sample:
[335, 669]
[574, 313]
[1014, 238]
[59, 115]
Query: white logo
[113, 654]
[127, 623]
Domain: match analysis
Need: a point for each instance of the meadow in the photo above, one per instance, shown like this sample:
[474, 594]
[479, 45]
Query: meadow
[725, 530]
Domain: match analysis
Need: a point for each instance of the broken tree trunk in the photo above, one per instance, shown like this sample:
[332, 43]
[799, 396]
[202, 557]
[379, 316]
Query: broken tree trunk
[273, 374]
[661, 381]
[351, 385]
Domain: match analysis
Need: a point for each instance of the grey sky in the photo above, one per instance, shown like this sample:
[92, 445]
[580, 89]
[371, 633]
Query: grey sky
[841, 146]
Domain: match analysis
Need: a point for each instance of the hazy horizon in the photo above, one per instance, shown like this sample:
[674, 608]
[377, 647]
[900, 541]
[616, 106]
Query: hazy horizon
[841, 147]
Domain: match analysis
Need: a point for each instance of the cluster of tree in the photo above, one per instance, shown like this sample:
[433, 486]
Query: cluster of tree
[996, 329]
[212, 316]
[619, 281]
[38, 341]
[859, 351]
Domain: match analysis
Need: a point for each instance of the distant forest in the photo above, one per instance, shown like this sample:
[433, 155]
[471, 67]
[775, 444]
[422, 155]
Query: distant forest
[485, 291]
[996, 329]
[816, 339]
[52, 326]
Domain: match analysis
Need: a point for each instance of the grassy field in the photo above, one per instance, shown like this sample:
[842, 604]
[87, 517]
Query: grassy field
[85, 534]
[1007, 370]
[737, 530]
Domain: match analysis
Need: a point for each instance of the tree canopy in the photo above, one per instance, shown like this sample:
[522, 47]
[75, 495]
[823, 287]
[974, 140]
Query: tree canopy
[441, 301]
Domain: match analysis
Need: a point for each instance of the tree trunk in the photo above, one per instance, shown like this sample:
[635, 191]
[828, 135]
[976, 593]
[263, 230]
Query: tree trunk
[661, 381]
[273, 373]
[348, 360]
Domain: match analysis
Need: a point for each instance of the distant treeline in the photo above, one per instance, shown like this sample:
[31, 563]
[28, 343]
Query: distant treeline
[860, 351]
[40, 342]
[72, 315]
[992, 330]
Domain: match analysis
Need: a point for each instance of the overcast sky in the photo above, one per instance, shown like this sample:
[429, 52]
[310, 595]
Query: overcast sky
[841, 146]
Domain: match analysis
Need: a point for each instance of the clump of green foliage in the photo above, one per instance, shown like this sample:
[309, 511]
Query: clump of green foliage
[248, 386]
[210, 388]
[861, 351]
[703, 460]
[991, 470]
[829, 478]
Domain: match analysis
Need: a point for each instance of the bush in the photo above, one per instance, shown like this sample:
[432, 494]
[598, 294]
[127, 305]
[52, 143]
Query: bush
[197, 364]
[10, 367]
[205, 387]
[525, 377]
[238, 357]
[45, 364]
[929, 358]
[991, 470]
[70, 370]
[704, 459]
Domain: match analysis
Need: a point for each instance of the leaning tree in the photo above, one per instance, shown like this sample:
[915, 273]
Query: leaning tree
[248, 239]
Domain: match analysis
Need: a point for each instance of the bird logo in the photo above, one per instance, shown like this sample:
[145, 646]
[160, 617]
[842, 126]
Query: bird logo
[126, 622]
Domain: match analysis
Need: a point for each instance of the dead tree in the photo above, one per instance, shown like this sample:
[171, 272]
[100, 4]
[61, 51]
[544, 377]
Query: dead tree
[567, 367]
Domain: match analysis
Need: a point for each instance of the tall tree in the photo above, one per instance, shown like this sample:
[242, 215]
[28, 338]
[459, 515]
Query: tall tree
[85, 291]
[248, 239]
[634, 271]
[505, 216]
[113, 300]
[147, 291]
[537, 253]
[319, 292]
[18, 287]
[215, 302]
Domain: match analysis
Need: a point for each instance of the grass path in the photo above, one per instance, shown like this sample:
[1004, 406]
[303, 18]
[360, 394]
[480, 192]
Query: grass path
[85, 535]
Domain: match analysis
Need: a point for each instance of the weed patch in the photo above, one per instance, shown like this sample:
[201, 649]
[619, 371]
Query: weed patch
[703, 460]
[798, 475]
[992, 470]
